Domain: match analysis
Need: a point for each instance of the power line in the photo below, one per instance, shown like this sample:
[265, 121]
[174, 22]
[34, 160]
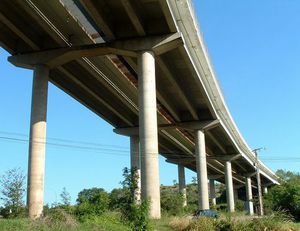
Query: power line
[112, 149]
[66, 140]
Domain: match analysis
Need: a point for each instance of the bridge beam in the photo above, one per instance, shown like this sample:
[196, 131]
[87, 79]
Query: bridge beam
[249, 203]
[190, 125]
[37, 142]
[59, 56]
[229, 186]
[182, 185]
[201, 165]
[148, 132]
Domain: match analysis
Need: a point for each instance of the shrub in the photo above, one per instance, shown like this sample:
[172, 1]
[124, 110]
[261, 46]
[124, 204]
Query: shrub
[201, 224]
[91, 202]
[275, 222]
[285, 197]
[239, 205]
[171, 201]
[56, 219]
[12, 191]
[116, 198]
[136, 214]
[179, 223]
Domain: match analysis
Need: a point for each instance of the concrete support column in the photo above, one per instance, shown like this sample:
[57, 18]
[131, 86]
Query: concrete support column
[148, 132]
[249, 198]
[203, 200]
[135, 164]
[260, 199]
[182, 186]
[37, 140]
[236, 195]
[229, 186]
[212, 192]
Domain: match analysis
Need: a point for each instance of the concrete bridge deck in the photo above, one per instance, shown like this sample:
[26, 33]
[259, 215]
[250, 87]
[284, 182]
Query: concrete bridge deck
[92, 48]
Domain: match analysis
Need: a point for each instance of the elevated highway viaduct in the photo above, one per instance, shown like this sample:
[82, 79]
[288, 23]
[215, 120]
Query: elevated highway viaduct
[142, 66]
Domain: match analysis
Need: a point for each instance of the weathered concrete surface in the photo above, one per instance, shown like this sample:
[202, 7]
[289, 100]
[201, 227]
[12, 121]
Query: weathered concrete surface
[203, 199]
[36, 163]
[136, 164]
[182, 185]
[148, 132]
[229, 186]
[249, 196]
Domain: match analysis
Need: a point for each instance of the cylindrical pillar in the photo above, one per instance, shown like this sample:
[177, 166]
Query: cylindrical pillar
[203, 199]
[148, 132]
[235, 194]
[249, 196]
[212, 192]
[182, 186]
[229, 186]
[135, 164]
[260, 199]
[265, 190]
[37, 142]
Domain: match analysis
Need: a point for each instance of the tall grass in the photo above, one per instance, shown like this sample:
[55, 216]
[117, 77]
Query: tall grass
[275, 222]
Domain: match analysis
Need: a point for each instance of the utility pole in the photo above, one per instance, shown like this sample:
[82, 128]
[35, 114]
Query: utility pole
[260, 200]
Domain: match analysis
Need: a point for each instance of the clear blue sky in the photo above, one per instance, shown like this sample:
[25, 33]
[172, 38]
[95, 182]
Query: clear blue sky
[255, 48]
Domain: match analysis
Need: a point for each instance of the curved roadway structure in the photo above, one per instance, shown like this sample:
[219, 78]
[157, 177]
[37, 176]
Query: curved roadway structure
[97, 51]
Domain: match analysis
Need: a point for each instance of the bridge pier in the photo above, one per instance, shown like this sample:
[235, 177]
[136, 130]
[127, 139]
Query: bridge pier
[265, 190]
[135, 164]
[235, 194]
[203, 199]
[148, 132]
[37, 142]
[229, 186]
[212, 192]
[249, 203]
[182, 185]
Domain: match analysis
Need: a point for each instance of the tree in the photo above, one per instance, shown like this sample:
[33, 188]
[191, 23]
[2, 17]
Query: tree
[285, 176]
[171, 200]
[116, 198]
[137, 214]
[285, 196]
[65, 197]
[12, 189]
[92, 202]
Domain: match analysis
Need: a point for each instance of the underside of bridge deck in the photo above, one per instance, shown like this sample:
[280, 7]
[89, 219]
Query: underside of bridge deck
[91, 50]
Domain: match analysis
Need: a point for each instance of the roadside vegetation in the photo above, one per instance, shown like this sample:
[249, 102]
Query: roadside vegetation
[98, 210]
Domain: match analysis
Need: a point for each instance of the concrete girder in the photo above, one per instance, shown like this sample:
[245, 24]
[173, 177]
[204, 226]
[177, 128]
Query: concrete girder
[168, 75]
[100, 18]
[57, 57]
[106, 104]
[225, 157]
[191, 125]
[134, 17]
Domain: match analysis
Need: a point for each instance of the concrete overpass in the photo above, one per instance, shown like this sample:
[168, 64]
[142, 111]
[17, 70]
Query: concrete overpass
[142, 66]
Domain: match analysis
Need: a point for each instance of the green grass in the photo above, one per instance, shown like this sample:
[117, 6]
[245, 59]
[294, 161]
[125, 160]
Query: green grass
[106, 222]
[162, 224]
[110, 221]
